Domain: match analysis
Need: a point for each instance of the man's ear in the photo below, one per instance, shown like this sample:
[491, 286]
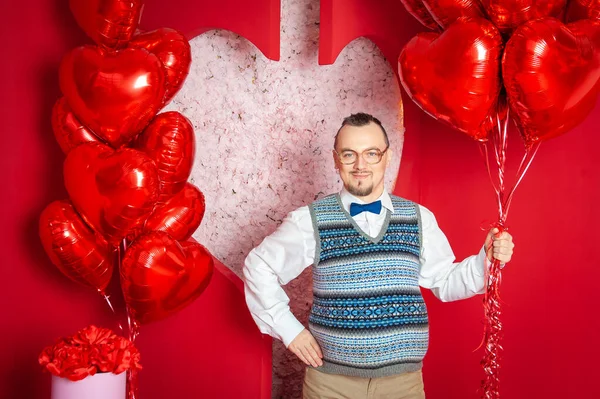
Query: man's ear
[389, 156]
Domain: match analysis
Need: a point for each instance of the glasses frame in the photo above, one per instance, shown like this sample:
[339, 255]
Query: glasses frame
[362, 154]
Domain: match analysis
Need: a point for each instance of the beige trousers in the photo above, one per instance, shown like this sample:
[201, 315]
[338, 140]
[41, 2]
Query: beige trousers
[318, 385]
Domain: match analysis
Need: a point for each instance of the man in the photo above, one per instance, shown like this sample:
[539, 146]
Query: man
[370, 251]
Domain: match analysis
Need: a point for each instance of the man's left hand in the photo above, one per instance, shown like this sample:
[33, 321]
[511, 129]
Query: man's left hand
[499, 246]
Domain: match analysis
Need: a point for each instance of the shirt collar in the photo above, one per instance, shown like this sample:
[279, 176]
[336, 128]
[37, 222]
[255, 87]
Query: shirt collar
[347, 199]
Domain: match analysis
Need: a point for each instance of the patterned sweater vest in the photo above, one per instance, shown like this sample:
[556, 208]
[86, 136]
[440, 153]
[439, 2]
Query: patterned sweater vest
[368, 314]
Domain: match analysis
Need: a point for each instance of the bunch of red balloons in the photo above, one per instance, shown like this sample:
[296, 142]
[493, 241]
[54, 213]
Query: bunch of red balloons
[492, 59]
[126, 168]
[485, 49]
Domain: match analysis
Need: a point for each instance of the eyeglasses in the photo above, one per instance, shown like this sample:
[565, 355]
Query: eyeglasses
[371, 156]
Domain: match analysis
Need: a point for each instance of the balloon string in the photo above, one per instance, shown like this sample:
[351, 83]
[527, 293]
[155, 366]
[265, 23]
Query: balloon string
[530, 152]
[112, 308]
[134, 328]
[491, 301]
[493, 333]
[486, 156]
[133, 332]
[132, 374]
[501, 145]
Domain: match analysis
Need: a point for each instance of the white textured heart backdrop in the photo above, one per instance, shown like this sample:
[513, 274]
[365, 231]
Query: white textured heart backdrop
[264, 135]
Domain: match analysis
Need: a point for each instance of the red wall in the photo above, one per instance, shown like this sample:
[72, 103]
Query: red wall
[550, 312]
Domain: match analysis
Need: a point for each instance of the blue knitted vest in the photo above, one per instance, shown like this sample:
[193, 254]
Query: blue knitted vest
[368, 314]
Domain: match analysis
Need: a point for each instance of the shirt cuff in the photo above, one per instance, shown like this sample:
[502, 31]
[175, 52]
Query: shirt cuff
[288, 328]
[482, 262]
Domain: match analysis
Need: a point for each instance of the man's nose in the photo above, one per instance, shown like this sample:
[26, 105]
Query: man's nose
[360, 162]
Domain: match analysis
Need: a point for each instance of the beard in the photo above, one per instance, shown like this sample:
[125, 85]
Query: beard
[360, 189]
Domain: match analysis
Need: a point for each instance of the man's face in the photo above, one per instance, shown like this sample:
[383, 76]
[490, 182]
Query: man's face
[361, 179]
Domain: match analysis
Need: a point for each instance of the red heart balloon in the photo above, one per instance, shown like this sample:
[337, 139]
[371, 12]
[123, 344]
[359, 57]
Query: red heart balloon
[160, 276]
[417, 9]
[114, 93]
[551, 74]
[445, 12]
[114, 191]
[68, 131]
[110, 23]
[583, 9]
[509, 14]
[169, 141]
[180, 216]
[73, 247]
[173, 50]
[455, 76]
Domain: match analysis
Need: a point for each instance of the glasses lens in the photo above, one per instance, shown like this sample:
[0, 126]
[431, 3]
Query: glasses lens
[348, 157]
[372, 156]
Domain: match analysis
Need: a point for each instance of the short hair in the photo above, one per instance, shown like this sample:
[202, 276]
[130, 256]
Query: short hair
[358, 120]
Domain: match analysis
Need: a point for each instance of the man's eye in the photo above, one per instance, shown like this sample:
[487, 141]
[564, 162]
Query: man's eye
[347, 155]
[372, 154]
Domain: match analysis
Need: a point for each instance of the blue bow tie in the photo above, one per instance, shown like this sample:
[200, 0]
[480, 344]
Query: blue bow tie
[374, 207]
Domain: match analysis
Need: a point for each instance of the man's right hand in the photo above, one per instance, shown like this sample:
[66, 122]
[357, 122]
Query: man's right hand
[307, 349]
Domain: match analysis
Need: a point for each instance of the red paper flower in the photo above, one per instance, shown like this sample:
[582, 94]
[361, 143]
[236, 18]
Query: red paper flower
[90, 351]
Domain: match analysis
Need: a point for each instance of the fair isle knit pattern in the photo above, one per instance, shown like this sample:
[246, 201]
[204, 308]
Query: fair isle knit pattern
[368, 314]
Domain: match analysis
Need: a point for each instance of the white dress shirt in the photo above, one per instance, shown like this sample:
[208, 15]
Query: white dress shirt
[283, 255]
